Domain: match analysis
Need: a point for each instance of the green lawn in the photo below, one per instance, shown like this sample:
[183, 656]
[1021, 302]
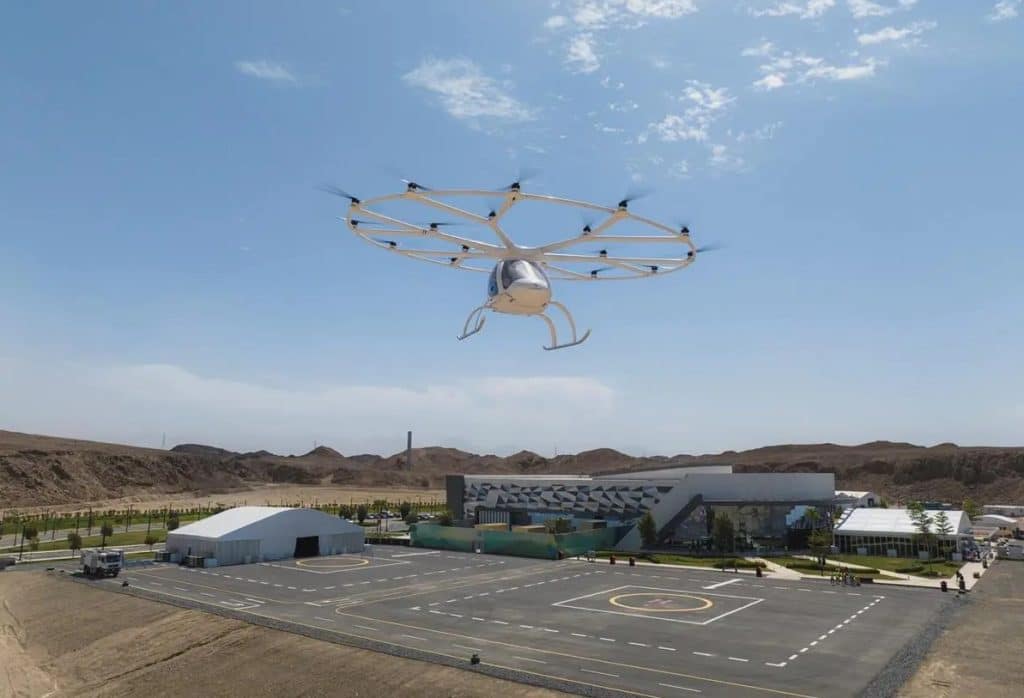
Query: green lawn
[130, 538]
[674, 559]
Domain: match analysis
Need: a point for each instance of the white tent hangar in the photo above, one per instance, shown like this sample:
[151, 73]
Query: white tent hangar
[253, 534]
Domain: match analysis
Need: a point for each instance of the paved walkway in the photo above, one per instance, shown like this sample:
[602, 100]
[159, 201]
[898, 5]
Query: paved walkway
[900, 579]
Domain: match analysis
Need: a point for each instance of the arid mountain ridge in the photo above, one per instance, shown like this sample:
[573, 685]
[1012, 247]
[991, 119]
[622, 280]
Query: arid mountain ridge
[44, 470]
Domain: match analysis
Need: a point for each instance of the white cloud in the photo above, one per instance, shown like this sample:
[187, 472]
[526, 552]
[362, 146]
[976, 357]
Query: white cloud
[663, 9]
[862, 9]
[626, 106]
[679, 170]
[893, 34]
[465, 91]
[764, 48]
[721, 159]
[580, 55]
[555, 22]
[1004, 10]
[786, 68]
[704, 105]
[812, 9]
[135, 403]
[607, 83]
[270, 71]
[762, 133]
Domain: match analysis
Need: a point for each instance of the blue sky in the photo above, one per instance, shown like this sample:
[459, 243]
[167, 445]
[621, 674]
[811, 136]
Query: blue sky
[167, 264]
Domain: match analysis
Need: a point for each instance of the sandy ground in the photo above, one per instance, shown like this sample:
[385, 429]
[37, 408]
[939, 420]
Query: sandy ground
[273, 495]
[979, 655]
[59, 638]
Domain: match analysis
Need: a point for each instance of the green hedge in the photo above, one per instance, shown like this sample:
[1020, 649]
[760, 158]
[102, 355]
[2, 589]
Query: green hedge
[910, 569]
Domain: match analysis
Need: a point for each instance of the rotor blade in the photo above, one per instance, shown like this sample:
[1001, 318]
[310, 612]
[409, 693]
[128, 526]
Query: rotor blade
[389, 243]
[524, 175]
[330, 189]
[634, 194]
[358, 222]
[414, 186]
[710, 247]
[595, 272]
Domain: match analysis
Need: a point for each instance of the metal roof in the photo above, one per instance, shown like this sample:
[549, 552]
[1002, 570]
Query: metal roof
[227, 521]
[878, 521]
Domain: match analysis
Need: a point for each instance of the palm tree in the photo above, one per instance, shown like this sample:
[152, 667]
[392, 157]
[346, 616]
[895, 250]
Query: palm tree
[106, 530]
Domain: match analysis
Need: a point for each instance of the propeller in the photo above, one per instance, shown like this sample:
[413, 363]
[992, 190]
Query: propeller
[595, 272]
[413, 186]
[525, 175]
[357, 222]
[440, 224]
[390, 243]
[706, 248]
[330, 189]
[633, 195]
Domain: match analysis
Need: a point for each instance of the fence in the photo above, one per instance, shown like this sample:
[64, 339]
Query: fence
[542, 545]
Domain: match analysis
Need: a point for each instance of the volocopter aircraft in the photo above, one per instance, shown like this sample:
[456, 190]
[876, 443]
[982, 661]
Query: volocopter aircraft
[519, 281]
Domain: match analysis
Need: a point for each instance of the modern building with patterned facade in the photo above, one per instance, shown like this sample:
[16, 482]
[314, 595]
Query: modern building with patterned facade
[681, 499]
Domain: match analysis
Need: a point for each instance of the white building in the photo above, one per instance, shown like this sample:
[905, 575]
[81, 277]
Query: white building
[891, 532]
[679, 498]
[856, 498]
[1016, 510]
[253, 534]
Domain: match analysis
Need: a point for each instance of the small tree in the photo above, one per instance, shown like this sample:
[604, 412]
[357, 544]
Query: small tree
[819, 541]
[33, 543]
[411, 518]
[150, 540]
[345, 511]
[361, 512]
[106, 530]
[30, 532]
[648, 530]
[404, 508]
[445, 518]
[724, 534]
[74, 542]
[943, 527]
[172, 521]
[923, 523]
[971, 508]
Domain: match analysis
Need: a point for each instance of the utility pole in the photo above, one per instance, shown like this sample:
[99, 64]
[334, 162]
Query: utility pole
[21, 546]
[408, 450]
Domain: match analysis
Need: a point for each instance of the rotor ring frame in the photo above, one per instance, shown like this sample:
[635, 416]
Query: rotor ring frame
[546, 255]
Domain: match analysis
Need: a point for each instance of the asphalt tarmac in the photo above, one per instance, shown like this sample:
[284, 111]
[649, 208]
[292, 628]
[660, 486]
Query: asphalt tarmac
[645, 630]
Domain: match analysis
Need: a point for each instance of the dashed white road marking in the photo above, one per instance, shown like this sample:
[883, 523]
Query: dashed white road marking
[738, 659]
[667, 649]
[578, 634]
[602, 673]
[413, 637]
[639, 644]
[721, 584]
[776, 664]
[607, 639]
[681, 688]
[326, 620]
[499, 622]
[792, 657]
[528, 627]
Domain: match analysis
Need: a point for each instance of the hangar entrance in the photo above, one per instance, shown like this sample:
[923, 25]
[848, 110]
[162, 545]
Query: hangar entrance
[307, 546]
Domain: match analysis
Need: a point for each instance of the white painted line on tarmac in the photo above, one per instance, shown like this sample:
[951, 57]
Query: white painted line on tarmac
[206, 594]
[439, 613]
[607, 639]
[326, 588]
[549, 630]
[464, 647]
[413, 637]
[602, 673]
[479, 619]
[639, 644]
[822, 637]
[792, 657]
[814, 643]
[704, 654]
[721, 584]
[775, 664]
[528, 627]
[681, 688]
[326, 620]
[804, 650]
[365, 627]
[577, 634]
[499, 622]
[667, 649]
[527, 659]
[738, 659]
[180, 589]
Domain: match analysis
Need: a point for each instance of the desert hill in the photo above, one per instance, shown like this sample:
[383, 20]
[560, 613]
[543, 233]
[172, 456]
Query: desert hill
[44, 470]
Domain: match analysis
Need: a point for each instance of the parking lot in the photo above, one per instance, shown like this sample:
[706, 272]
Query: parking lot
[645, 630]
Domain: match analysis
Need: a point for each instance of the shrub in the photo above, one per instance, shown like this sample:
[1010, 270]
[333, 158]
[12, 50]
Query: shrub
[910, 569]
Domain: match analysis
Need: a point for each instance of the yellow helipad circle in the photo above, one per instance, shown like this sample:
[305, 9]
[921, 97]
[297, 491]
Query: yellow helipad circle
[705, 603]
[324, 563]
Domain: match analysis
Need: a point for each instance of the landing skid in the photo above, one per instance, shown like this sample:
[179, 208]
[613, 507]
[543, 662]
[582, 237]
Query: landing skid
[477, 319]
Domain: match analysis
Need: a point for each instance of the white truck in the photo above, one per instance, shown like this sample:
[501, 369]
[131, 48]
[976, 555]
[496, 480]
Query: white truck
[102, 563]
